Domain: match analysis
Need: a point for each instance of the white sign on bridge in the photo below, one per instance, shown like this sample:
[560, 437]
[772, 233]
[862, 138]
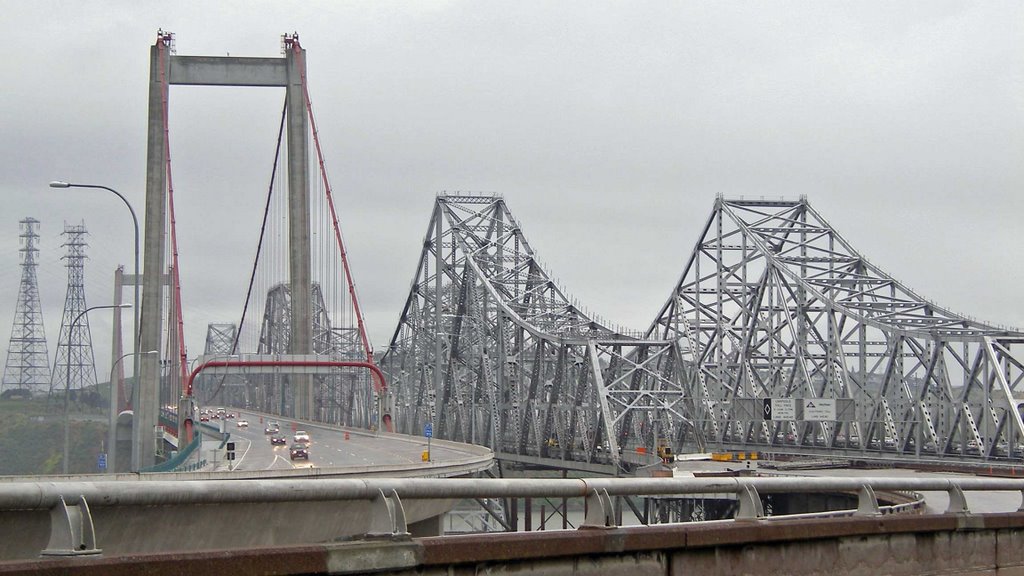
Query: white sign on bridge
[820, 409]
[779, 409]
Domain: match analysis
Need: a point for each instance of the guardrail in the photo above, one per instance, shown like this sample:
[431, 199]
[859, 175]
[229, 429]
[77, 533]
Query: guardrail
[73, 533]
[179, 463]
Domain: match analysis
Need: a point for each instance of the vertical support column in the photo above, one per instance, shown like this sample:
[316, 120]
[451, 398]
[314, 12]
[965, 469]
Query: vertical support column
[117, 373]
[298, 229]
[147, 382]
[438, 267]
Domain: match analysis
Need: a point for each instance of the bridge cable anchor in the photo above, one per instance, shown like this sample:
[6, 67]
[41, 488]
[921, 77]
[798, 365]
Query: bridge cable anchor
[867, 502]
[600, 513]
[71, 530]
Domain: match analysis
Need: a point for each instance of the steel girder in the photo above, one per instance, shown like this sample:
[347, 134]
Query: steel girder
[774, 303]
[220, 341]
[344, 398]
[489, 350]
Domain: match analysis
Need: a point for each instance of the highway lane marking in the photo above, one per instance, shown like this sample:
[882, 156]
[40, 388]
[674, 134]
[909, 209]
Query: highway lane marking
[238, 463]
[276, 458]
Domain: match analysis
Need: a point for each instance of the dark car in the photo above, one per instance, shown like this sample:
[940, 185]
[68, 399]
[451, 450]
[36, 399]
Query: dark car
[278, 440]
[300, 451]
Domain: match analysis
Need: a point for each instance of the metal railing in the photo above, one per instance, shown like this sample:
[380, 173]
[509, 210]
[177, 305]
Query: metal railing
[68, 502]
[38, 495]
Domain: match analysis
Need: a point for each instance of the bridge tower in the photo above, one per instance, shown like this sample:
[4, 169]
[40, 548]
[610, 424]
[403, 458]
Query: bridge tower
[169, 69]
[74, 347]
[28, 362]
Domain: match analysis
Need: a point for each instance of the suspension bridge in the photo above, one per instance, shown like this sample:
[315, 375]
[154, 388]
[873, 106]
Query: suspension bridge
[779, 337]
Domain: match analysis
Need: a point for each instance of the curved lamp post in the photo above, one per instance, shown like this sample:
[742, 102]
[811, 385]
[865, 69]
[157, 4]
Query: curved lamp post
[67, 385]
[135, 223]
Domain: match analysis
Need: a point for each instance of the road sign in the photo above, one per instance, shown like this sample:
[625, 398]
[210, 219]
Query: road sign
[820, 409]
[783, 408]
[428, 430]
[101, 461]
[779, 409]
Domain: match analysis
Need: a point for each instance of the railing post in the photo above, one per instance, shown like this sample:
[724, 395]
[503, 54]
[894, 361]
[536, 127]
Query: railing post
[71, 530]
[957, 501]
[387, 516]
[599, 511]
[750, 504]
[867, 502]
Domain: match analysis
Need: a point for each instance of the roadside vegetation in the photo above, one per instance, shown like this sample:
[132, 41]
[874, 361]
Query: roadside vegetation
[32, 436]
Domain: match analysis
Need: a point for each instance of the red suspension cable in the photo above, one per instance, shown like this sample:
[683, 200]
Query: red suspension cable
[379, 385]
[175, 275]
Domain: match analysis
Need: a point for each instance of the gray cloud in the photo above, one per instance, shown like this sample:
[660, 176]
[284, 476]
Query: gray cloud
[608, 127]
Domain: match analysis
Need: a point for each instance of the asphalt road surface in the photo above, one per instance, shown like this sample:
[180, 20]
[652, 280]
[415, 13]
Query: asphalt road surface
[328, 447]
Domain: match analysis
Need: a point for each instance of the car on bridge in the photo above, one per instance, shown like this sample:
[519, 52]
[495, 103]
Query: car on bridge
[242, 423]
[300, 451]
[301, 436]
[278, 440]
[272, 428]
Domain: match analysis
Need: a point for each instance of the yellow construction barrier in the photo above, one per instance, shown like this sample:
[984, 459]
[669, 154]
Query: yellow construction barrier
[733, 456]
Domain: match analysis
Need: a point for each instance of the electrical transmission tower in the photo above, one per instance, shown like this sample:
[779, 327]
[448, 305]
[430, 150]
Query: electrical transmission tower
[74, 347]
[28, 362]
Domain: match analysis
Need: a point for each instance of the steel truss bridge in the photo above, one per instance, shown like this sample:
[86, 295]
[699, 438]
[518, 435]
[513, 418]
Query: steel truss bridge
[779, 337]
[339, 397]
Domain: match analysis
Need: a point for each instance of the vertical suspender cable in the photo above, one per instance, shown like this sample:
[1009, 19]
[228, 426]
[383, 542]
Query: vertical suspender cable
[379, 384]
[259, 244]
[337, 229]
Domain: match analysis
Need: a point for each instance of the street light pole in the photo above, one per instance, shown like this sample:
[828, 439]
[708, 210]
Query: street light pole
[135, 223]
[111, 434]
[67, 385]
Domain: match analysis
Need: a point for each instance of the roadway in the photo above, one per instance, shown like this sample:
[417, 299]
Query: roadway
[329, 447]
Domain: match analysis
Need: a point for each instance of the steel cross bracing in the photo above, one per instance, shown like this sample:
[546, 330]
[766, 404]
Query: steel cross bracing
[775, 304]
[345, 398]
[224, 389]
[489, 350]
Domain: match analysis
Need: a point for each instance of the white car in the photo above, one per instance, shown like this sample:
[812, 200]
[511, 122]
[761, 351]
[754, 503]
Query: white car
[242, 423]
[301, 436]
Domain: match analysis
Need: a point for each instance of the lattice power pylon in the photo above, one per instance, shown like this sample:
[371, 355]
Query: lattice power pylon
[74, 344]
[804, 345]
[28, 362]
[489, 350]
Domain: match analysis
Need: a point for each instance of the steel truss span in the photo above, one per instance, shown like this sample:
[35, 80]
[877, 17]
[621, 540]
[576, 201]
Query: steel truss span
[345, 398]
[489, 350]
[776, 310]
[779, 337]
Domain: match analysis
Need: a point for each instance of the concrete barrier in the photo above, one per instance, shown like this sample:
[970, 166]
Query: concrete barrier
[962, 544]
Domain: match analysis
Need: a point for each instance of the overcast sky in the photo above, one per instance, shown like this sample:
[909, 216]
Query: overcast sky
[608, 128]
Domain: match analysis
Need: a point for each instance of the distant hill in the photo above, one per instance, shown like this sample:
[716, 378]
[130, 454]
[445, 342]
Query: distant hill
[32, 438]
